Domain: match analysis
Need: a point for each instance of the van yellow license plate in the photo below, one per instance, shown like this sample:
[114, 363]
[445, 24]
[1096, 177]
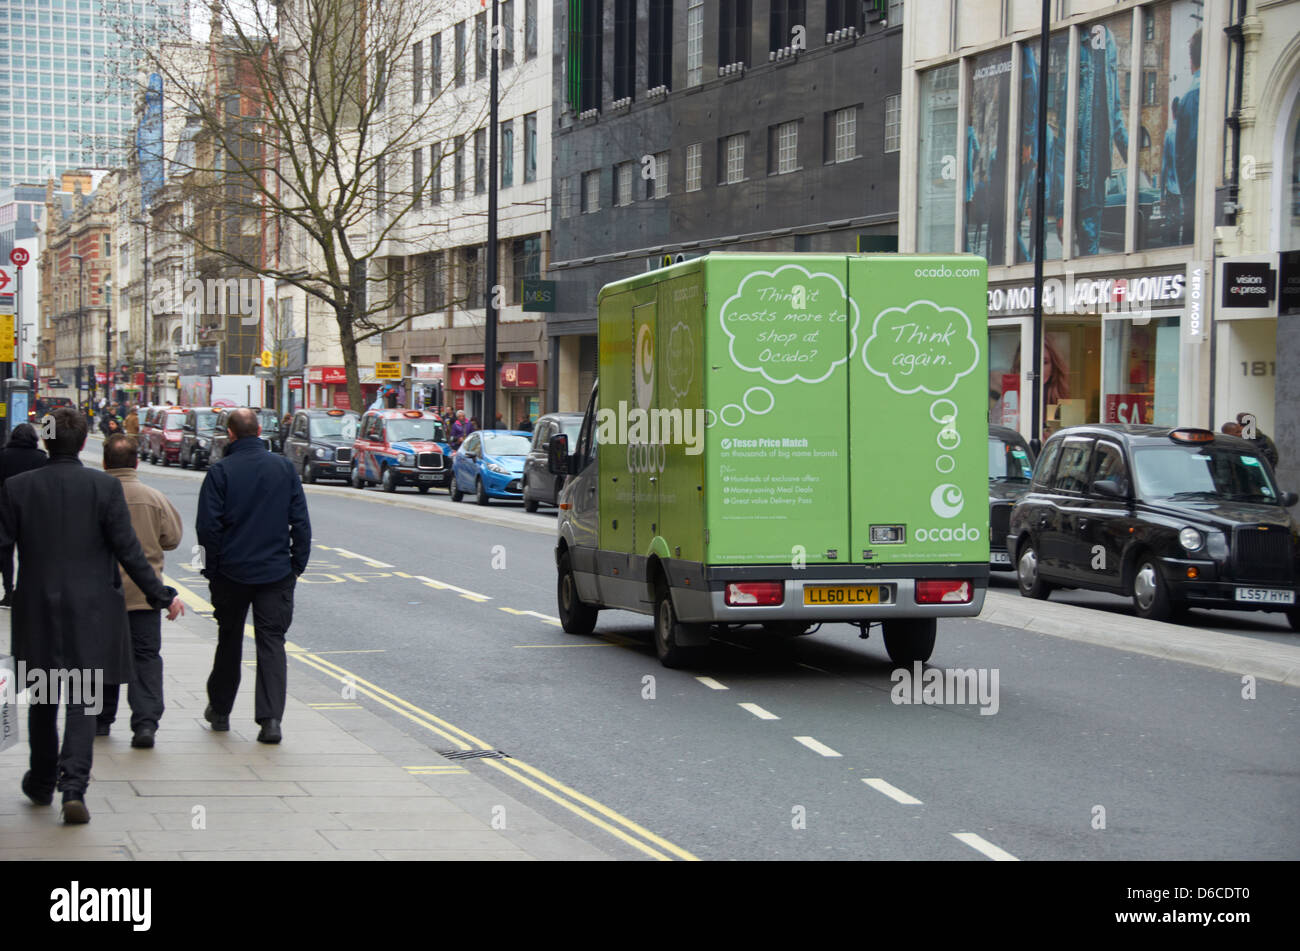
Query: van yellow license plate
[829, 594]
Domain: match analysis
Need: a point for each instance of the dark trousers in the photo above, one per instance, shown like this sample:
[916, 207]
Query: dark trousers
[7, 568]
[272, 613]
[67, 769]
[144, 693]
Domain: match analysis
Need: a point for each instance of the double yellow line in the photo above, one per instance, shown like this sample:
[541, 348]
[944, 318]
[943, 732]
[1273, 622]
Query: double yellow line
[596, 813]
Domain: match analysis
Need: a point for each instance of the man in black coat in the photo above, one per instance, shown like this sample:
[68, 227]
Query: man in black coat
[21, 454]
[255, 539]
[72, 528]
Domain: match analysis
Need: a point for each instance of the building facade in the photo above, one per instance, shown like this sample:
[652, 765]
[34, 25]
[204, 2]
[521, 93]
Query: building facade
[689, 127]
[1132, 143]
[436, 255]
[66, 81]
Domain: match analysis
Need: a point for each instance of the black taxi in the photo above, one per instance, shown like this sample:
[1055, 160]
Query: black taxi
[1172, 518]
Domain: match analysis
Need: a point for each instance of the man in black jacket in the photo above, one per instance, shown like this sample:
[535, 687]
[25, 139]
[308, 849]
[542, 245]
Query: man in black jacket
[255, 538]
[72, 528]
[21, 454]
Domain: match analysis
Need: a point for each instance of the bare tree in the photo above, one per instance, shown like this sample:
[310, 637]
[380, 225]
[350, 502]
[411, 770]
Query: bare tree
[319, 135]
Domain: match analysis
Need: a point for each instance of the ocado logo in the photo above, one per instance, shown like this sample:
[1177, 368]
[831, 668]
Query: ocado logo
[946, 500]
[645, 365]
[962, 533]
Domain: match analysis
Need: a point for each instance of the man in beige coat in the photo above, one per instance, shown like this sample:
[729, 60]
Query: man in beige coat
[158, 526]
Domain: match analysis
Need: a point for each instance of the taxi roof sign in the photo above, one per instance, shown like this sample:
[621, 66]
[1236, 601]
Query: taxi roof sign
[335, 412]
[1191, 435]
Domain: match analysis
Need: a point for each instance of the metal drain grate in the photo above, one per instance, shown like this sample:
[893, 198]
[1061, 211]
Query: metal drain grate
[474, 754]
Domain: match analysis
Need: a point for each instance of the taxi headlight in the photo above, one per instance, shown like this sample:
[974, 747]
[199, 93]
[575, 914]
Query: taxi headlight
[1191, 539]
[405, 459]
[203, 443]
[321, 453]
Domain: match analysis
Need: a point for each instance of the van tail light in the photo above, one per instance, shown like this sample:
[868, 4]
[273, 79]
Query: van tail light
[755, 593]
[946, 591]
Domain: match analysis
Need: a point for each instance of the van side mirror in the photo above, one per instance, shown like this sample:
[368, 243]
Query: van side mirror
[557, 455]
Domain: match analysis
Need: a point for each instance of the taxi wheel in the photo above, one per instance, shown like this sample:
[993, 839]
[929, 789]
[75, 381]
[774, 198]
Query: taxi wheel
[480, 493]
[424, 489]
[1294, 617]
[357, 481]
[576, 616]
[1151, 599]
[308, 473]
[908, 640]
[530, 503]
[1030, 580]
[389, 480]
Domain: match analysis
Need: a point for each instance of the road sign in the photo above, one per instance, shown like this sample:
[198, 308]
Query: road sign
[6, 338]
[19, 257]
[5, 279]
[388, 371]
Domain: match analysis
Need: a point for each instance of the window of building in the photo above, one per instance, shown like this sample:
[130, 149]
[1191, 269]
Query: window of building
[526, 264]
[417, 70]
[507, 153]
[841, 135]
[590, 44]
[734, 28]
[507, 25]
[566, 197]
[624, 176]
[460, 54]
[381, 190]
[434, 281]
[530, 29]
[783, 148]
[590, 192]
[530, 147]
[1149, 87]
[435, 173]
[731, 153]
[435, 63]
[785, 16]
[460, 166]
[475, 277]
[659, 57]
[694, 166]
[694, 42]
[893, 114]
[936, 161]
[480, 161]
[656, 185]
[480, 46]
[624, 48]
[417, 177]
[841, 14]
[894, 16]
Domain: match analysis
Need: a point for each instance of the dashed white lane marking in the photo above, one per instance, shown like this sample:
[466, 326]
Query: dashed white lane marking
[553, 621]
[893, 792]
[372, 562]
[760, 712]
[816, 747]
[712, 684]
[444, 586]
[985, 846]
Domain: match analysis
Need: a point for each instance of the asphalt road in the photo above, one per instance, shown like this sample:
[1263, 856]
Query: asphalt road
[733, 760]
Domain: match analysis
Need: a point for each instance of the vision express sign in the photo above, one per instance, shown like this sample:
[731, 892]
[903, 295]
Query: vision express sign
[1248, 284]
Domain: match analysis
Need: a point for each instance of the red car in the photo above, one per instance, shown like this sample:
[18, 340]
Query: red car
[160, 436]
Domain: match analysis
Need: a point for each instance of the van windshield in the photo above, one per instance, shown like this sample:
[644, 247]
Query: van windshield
[1212, 473]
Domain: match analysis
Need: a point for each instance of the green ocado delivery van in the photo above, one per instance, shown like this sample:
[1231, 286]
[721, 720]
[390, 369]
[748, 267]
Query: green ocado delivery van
[783, 440]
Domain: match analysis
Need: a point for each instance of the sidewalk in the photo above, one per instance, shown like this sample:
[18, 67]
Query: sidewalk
[340, 786]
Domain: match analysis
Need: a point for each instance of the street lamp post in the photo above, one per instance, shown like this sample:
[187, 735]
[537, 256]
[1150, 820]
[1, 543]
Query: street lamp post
[108, 337]
[81, 270]
[148, 317]
[490, 323]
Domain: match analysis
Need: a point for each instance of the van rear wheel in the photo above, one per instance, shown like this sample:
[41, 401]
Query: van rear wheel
[576, 616]
[670, 632]
[908, 640]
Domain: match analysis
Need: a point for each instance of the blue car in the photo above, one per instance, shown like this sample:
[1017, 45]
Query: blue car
[490, 464]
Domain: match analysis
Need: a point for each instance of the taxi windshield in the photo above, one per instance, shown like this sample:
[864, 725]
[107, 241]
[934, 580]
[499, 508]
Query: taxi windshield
[333, 427]
[270, 422]
[425, 428]
[505, 444]
[1008, 461]
[174, 421]
[204, 420]
[1209, 473]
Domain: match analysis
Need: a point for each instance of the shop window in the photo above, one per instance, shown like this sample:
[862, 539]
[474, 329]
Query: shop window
[936, 158]
[1167, 170]
[1101, 137]
[1141, 376]
[985, 198]
[1031, 78]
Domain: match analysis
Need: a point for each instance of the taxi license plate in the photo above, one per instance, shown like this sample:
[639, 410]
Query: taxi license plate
[427, 477]
[999, 558]
[822, 594]
[1265, 596]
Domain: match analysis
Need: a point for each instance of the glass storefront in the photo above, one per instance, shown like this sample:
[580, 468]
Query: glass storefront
[984, 227]
[1101, 136]
[1030, 76]
[1141, 371]
[937, 171]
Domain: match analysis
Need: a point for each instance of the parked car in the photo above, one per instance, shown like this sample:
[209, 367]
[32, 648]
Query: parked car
[396, 447]
[265, 418]
[320, 441]
[197, 432]
[147, 416]
[490, 464]
[162, 441]
[539, 486]
[1011, 466]
[1172, 518]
